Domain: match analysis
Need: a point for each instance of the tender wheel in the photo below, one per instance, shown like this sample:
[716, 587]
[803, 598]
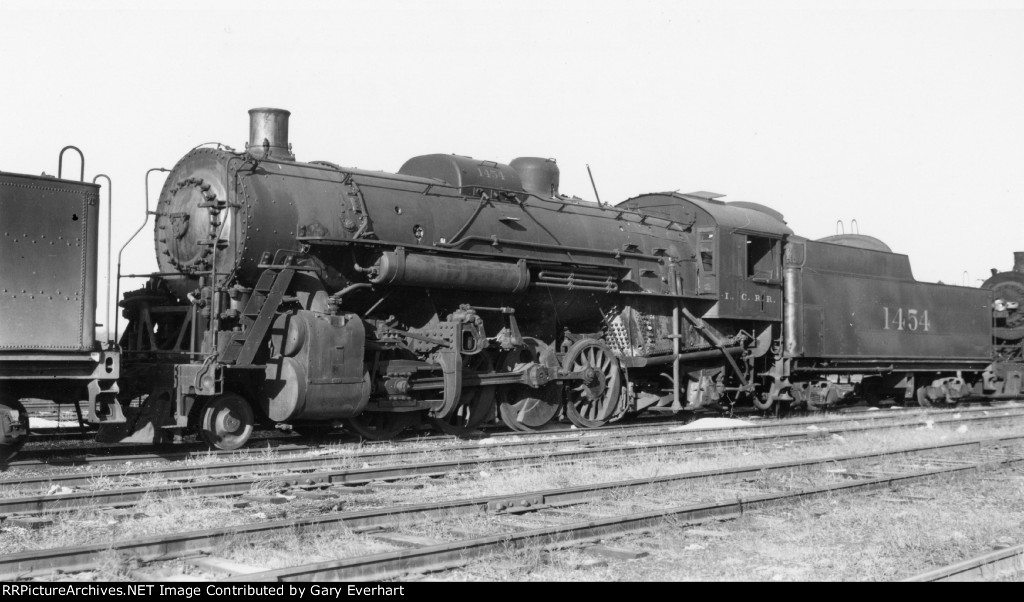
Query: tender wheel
[475, 404]
[923, 399]
[931, 397]
[524, 408]
[13, 428]
[592, 402]
[378, 426]
[818, 402]
[226, 421]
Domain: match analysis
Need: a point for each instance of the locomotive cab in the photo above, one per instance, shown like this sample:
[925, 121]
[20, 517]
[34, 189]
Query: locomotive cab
[738, 252]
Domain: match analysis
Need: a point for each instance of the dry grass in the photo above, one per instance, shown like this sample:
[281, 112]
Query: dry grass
[882, 536]
[190, 512]
[619, 502]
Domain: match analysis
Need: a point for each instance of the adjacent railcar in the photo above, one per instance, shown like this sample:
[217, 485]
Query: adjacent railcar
[1008, 306]
[48, 292]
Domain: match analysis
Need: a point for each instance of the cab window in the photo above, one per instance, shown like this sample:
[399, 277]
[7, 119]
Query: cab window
[706, 246]
[762, 257]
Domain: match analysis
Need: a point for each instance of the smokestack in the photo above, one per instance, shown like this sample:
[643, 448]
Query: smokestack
[1018, 262]
[269, 127]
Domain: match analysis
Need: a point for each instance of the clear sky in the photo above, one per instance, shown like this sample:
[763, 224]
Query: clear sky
[908, 116]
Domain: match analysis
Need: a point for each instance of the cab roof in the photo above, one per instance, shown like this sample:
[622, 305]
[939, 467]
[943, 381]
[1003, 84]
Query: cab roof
[688, 207]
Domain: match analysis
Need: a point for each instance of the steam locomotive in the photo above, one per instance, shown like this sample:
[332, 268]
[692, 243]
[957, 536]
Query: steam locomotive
[459, 291]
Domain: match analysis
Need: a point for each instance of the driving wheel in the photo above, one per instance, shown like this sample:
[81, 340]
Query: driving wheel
[524, 408]
[592, 401]
[475, 403]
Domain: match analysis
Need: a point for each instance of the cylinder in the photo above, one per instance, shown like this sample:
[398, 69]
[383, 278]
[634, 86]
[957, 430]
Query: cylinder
[269, 127]
[395, 267]
[539, 176]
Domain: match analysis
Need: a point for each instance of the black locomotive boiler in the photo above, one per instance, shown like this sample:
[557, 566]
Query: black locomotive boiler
[457, 290]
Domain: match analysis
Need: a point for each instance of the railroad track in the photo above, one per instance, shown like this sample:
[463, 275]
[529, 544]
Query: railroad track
[920, 462]
[39, 459]
[993, 565]
[39, 435]
[106, 454]
[238, 478]
[102, 454]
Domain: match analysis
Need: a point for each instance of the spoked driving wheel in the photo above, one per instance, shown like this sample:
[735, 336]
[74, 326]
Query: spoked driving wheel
[226, 421]
[378, 426]
[13, 428]
[475, 403]
[524, 408]
[592, 401]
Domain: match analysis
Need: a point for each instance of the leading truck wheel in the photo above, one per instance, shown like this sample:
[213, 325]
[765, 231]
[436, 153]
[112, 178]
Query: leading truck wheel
[595, 399]
[227, 421]
[13, 428]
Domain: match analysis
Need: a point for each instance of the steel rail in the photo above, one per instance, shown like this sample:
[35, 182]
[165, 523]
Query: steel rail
[288, 471]
[573, 434]
[986, 566]
[150, 548]
[79, 456]
[648, 420]
[39, 458]
[43, 458]
[68, 433]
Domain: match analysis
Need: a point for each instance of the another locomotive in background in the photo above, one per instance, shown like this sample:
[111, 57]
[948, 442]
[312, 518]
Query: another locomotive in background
[455, 290]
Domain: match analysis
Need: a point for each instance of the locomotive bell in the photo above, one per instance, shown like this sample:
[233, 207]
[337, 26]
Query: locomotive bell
[268, 132]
